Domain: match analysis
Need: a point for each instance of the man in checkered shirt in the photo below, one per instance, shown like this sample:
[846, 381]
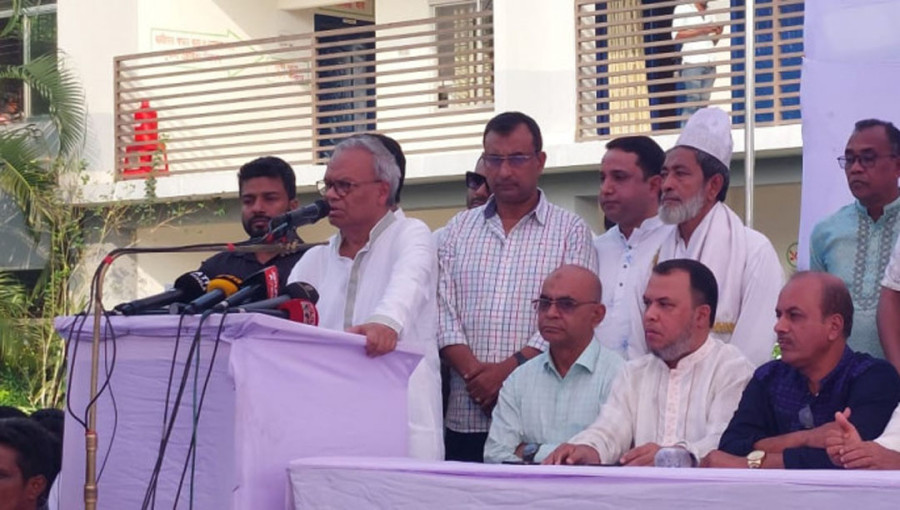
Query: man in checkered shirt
[493, 260]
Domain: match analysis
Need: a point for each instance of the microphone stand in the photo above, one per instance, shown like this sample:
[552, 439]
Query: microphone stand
[249, 246]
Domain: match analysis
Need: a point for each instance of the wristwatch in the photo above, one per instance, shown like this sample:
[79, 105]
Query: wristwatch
[520, 358]
[529, 451]
[755, 459]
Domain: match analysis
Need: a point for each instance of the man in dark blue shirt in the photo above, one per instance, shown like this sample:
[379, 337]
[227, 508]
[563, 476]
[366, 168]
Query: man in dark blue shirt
[788, 407]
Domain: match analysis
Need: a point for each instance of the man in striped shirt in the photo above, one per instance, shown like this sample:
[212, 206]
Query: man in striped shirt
[493, 260]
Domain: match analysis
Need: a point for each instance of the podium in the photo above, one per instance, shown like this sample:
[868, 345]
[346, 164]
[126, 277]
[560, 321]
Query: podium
[277, 391]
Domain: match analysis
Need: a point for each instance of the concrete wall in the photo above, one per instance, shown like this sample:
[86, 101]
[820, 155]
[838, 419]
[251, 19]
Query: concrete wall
[534, 72]
[93, 32]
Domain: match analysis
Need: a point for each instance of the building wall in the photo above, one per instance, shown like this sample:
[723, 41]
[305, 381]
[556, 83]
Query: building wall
[93, 32]
[534, 72]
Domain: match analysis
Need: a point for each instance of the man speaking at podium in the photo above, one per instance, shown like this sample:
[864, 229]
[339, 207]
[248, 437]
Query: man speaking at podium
[267, 188]
[377, 277]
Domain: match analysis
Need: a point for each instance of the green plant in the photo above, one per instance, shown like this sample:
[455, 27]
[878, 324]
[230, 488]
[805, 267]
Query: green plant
[42, 171]
[37, 160]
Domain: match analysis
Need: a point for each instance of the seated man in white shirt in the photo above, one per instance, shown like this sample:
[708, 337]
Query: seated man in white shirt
[888, 315]
[378, 275]
[682, 394]
[846, 448]
[559, 392]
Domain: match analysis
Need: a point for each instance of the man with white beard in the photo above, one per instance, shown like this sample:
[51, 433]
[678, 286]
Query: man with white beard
[694, 184]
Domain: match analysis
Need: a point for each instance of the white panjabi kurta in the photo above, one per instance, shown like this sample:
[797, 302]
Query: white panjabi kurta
[689, 405]
[890, 438]
[391, 281]
[624, 266]
[749, 275]
[891, 278]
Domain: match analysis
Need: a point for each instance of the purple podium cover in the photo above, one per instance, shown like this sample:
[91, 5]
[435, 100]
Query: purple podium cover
[278, 390]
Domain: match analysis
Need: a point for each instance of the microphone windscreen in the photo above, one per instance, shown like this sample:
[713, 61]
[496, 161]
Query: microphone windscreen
[301, 310]
[229, 285]
[302, 290]
[192, 285]
[674, 456]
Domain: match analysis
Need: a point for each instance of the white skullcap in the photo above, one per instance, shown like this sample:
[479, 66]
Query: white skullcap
[709, 129]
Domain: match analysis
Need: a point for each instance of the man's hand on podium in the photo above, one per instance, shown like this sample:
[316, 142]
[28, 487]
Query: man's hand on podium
[380, 339]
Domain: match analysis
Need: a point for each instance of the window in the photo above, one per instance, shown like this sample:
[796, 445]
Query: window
[779, 58]
[34, 36]
[465, 52]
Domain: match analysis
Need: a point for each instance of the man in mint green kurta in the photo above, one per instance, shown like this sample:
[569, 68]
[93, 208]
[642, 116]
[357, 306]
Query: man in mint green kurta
[559, 392]
[855, 243]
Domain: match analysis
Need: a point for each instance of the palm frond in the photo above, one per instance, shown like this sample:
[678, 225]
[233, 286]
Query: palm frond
[13, 307]
[22, 178]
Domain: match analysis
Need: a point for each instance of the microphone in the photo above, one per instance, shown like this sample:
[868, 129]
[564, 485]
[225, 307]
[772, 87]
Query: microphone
[674, 457]
[218, 289]
[261, 284]
[188, 287]
[300, 310]
[302, 216]
[295, 290]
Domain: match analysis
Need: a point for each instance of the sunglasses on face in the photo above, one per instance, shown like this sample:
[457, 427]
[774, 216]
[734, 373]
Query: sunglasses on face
[475, 181]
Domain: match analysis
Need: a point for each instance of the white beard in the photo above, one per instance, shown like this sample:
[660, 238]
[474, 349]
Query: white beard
[674, 214]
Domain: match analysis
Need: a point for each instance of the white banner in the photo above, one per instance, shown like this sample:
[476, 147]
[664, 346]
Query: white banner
[851, 72]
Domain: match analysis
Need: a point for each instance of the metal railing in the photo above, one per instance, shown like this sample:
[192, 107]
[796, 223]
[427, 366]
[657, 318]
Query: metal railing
[642, 67]
[428, 83]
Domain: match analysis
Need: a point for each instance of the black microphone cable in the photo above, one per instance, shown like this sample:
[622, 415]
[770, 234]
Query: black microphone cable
[150, 493]
[191, 457]
[169, 385]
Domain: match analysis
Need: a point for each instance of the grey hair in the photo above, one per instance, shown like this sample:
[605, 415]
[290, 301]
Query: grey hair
[386, 168]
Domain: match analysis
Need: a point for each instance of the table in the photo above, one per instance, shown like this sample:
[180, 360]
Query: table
[348, 482]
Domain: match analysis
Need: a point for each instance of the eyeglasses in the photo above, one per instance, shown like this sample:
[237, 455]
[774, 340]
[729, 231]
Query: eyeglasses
[341, 188]
[475, 181]
[866, 160]
[564, 305]
[494, 161]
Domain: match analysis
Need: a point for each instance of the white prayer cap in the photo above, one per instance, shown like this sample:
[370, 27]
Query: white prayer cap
[709, 129]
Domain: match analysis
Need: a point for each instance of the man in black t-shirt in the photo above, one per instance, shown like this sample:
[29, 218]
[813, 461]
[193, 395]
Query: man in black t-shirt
[267, 188]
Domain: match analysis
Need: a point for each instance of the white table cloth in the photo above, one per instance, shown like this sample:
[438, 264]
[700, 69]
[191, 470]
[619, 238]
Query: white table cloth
[345, 483]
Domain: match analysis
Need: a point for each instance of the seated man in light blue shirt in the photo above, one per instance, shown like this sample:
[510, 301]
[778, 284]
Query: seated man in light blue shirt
[559, 392]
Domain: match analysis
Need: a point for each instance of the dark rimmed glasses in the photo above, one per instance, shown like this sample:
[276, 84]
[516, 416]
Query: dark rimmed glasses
[341, 188]
[866, 160]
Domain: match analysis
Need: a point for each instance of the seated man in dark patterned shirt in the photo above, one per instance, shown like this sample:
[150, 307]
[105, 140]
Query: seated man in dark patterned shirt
[789, 406]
